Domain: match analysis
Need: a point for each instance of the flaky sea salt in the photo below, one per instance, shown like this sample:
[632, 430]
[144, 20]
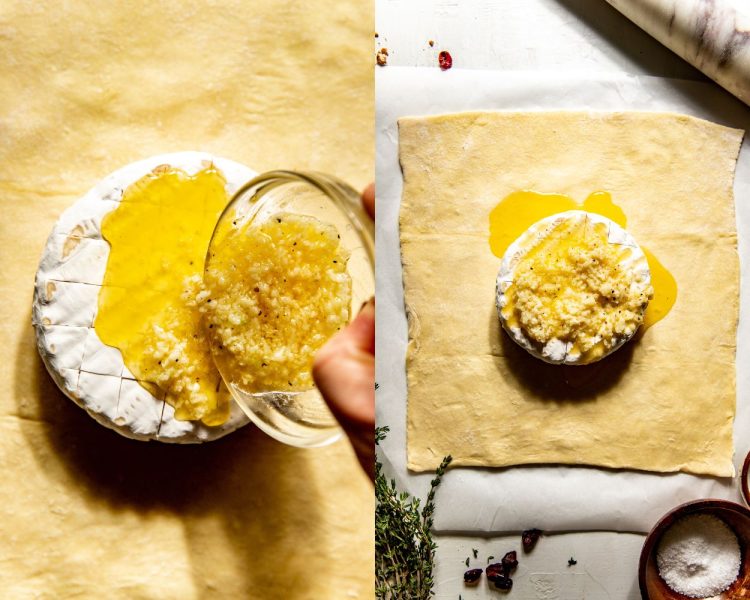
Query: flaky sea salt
[699, 556]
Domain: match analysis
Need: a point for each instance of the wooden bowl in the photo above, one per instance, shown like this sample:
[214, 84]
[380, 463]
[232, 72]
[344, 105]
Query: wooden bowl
[735, 515]
[745, 480]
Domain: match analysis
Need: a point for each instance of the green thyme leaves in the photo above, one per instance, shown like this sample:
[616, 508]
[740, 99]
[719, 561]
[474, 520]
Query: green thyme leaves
[404, 549]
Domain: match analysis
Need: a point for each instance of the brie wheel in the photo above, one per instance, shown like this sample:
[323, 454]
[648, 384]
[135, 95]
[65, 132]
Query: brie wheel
[66, 290]
[632, 264]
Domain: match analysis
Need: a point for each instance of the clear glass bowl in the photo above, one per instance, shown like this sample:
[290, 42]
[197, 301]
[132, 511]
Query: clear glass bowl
[300, 418]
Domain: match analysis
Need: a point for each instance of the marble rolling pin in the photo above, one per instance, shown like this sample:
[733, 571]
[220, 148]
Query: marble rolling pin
[712, 35]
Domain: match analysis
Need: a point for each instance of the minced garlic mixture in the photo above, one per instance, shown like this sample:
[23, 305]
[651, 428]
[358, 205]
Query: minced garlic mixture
[273, 294]
[176, 358]
[574, 288]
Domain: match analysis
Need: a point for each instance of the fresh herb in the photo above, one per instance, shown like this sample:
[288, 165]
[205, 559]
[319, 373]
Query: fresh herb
[489, 558]
[467, 561]
[376, 385]
[404, 549]
[380, 433]
[475, 552]
[572, 561]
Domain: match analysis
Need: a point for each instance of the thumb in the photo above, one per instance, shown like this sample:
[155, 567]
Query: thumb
[344, 371]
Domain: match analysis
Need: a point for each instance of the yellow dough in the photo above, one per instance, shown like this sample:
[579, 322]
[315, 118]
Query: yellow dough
[87, 88]
[664, 402]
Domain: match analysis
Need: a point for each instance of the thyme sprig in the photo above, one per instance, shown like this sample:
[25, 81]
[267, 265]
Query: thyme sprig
[404, 548]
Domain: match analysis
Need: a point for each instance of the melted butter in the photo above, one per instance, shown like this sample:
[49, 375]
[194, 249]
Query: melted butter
[665, 291]
[515, 213]
[159, 236]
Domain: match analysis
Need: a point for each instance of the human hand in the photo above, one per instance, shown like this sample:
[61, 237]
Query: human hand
[344, 371]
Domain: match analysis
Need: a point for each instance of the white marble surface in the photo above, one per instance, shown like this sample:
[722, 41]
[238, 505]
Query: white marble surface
[603, 569]
[712, 35]
[513, 35]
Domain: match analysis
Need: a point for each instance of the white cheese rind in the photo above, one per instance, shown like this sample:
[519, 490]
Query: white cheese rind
[65, 302]
[557, 351]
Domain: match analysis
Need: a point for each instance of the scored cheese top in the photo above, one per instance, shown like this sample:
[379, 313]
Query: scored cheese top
[573, 288]
[68, 282]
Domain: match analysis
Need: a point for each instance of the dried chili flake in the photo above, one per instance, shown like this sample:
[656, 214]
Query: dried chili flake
[472, 575]
[382, 57]
[510, 562]
[529, 538]
[503, 583]
[445, 60]
[494, 571]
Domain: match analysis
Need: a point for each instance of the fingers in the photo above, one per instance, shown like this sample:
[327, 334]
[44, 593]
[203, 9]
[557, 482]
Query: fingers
[344, 371]
[368, 200]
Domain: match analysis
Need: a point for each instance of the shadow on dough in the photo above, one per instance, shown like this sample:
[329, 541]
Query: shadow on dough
[261, 495]
[560, 383]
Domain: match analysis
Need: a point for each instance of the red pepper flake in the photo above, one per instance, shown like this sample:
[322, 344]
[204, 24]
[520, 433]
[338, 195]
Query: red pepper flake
[445, 60]
[510, 562]
[472, 575]
[503, 583]
[382, 57]
[529, 538]
[499, 573]
[494, 571]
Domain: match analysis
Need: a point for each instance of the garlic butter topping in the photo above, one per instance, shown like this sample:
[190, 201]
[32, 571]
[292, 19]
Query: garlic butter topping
[273, 293]
[573, 288]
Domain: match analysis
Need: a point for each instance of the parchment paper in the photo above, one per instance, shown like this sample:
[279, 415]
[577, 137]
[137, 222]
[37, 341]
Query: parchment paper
[548, 497]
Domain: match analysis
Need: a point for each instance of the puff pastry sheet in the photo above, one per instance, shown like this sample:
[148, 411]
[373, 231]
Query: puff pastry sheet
[665, 402]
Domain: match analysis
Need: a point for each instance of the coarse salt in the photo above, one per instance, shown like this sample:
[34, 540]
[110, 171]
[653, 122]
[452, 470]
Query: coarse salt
[699, 556]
